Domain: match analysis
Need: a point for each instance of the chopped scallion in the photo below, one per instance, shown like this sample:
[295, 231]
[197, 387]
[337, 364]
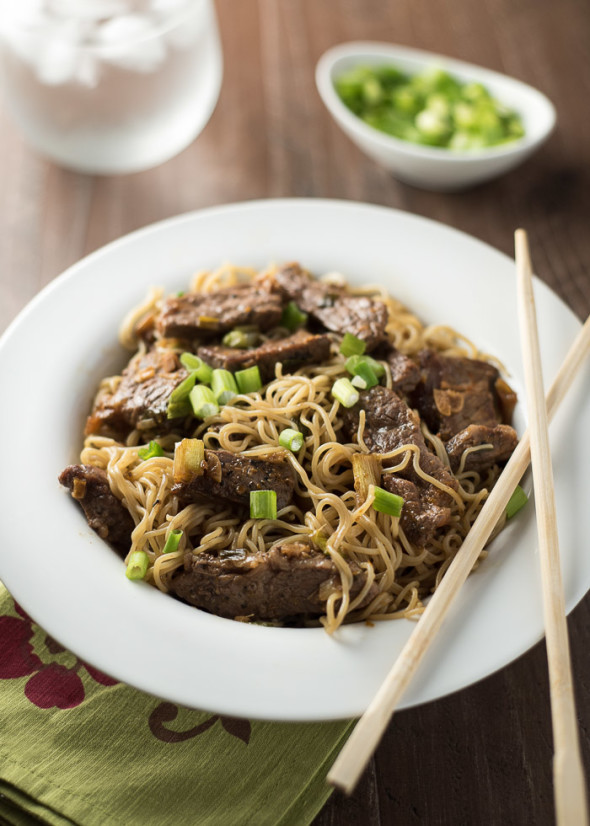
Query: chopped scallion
[516, 502]
[197, 366]
[345, 393]
[386, 502]
[137, 565]
[365, 372]
[319, 540]
[223, 385]
[358, 382]
[151, 451]
[248, 380]
[203, 402]
[293, 317]
[172, 542]
[240, 339]
[263, 504]
[291, 439]
[178, 403]
[430, 107]
[351, 345]
[353, 363]
[375, 366]
[190, 361]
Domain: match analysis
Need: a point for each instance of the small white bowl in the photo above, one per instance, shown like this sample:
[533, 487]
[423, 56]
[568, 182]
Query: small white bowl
[431, 167]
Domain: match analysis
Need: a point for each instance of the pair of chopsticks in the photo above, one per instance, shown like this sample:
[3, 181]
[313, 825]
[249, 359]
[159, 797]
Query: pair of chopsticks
[568, 775]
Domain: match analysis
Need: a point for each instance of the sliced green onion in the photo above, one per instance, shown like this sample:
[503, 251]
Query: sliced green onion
[352, 365]
[178, 410]
[189, 455]
[375, 366]
[197, 366]
[223, 385]
[179, 294]
[386, 502]
[366, 374]
[291, 439]
[358, 382]
[178, 403]
[137, 566]
[351, 345]
[516, 502]
[293, 317]
[263, 504]
[240, 339]
[430, 107]
[248, 380]
[433, 124]
[203, 402]
[172, 542]
[345, 393]
[372, 90]
[151, 451]
[190, 361]
[319, 540]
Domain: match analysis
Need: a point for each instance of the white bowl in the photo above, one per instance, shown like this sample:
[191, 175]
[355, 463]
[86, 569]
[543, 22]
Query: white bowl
[74, 585]
[431, 167]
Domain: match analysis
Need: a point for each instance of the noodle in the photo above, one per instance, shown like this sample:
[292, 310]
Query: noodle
[328, 507]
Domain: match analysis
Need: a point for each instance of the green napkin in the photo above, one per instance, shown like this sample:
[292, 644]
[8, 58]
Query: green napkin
[78, 747]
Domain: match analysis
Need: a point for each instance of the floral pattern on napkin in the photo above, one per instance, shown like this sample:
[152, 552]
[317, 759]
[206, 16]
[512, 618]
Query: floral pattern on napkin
[75, 742]
[51, 684]
[27, 651]
[166, 712]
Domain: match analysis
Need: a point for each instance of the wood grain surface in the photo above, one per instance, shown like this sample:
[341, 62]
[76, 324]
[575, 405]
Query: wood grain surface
[482, 756]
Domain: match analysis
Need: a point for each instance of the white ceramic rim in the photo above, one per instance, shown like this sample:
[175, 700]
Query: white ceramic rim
[391, 51]
[75, 587]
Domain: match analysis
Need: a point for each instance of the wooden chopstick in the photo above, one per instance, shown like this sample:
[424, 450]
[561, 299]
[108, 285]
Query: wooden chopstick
[364, 739]
[568, 774]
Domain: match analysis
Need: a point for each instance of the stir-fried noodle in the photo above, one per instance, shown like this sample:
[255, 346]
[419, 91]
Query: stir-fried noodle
[325, 506]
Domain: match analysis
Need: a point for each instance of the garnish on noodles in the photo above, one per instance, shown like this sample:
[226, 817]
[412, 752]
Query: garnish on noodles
[287, 449]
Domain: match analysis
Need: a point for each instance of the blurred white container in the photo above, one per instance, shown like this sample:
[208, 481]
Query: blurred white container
[433, 167]
[110, 86]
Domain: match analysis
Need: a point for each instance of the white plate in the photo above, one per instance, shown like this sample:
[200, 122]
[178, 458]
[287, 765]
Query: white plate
[74, 585]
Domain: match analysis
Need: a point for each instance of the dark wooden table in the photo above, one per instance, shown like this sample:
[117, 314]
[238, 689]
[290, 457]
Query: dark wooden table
[482, 756]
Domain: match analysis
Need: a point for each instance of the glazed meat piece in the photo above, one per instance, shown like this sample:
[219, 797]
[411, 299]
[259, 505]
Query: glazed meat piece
[459, 407]
[455, 370]
[280, 584]
[141, 396]
[456, 392]
[104, 513]
[389, 424]
[405, 373]
[506, 398]
[500, 441]
[300, 348]
[232, 476]
[331, 305]
[205, 314]
[420, 515]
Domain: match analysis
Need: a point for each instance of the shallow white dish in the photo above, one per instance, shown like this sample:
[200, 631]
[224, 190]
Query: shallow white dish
[74, 585]
[431, 167]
